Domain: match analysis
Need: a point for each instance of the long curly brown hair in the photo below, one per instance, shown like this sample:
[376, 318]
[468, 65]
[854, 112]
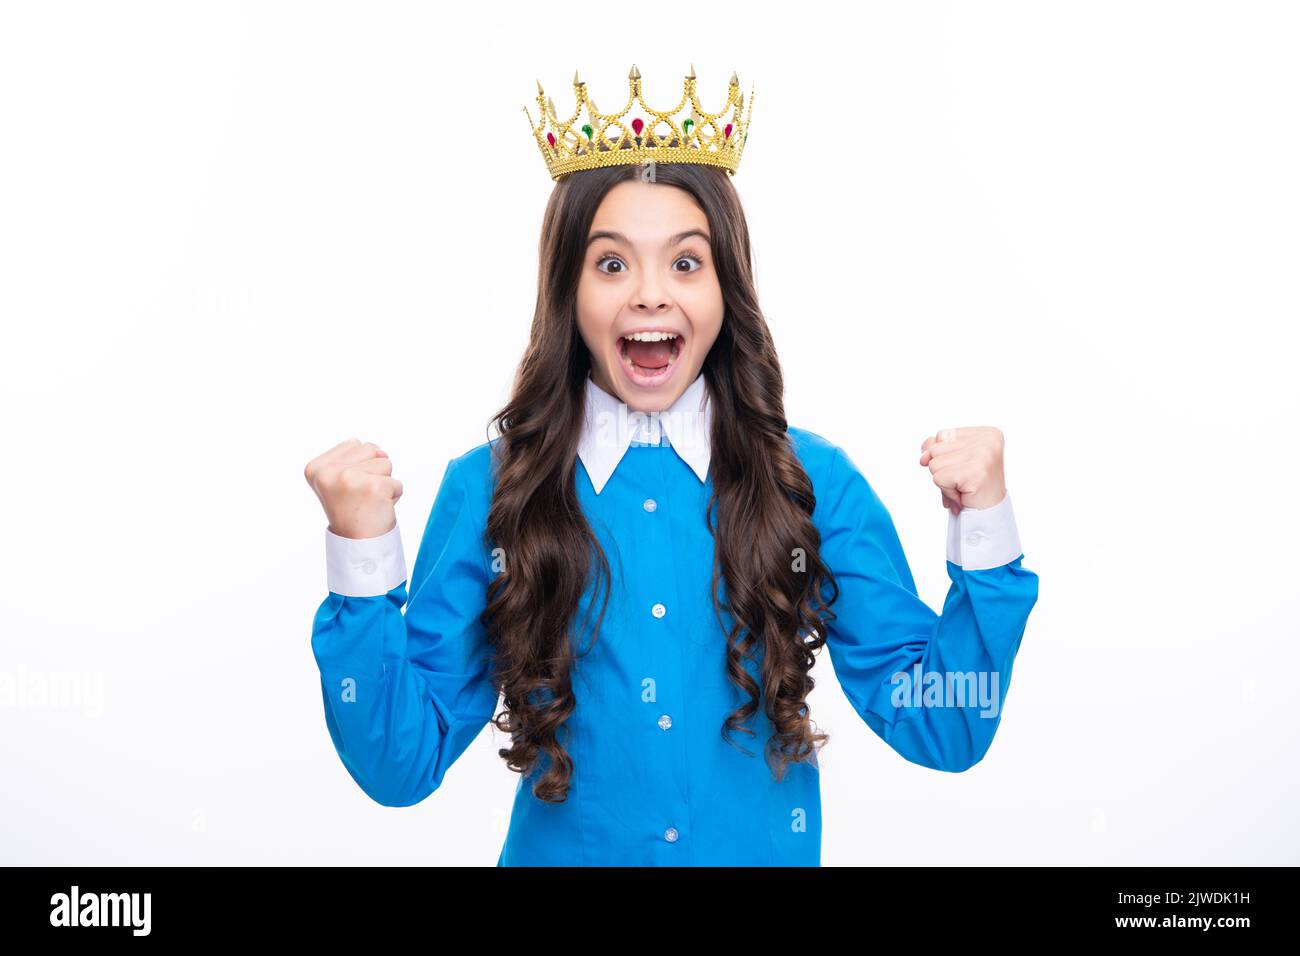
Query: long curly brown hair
[765, 544]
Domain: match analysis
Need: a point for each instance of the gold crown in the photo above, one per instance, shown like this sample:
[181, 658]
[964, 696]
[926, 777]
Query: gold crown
[660, 137]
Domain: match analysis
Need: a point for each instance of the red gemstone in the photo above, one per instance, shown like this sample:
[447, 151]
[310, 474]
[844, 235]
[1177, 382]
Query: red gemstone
[550, 138]
[637, 126]
[726, 133]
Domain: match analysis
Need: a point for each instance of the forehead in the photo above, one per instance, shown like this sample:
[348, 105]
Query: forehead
[648, 211]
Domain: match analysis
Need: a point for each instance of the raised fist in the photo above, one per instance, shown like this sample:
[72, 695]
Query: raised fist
[355, 484]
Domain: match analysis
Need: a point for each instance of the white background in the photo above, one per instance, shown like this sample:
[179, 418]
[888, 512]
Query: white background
[232, 235]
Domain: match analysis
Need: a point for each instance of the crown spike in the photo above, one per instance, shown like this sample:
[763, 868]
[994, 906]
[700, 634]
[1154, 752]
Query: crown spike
[540, 91]
[735, 81]
[691, 75]
[635, 74]
[576, 81]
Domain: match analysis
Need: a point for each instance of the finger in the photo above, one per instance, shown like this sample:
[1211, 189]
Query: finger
[330, 455]
[946, 488]
[943, 443]
[355, 452]
[341, 445]
[947, 459]
[941, 446]
[384, 486]
[934, 451]
[957, 480]
[375, 466]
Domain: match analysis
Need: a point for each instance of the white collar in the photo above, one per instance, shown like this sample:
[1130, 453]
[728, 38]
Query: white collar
[609, 427]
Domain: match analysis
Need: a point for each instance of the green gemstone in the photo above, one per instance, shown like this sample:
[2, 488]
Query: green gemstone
[686, 126]
[586, 128]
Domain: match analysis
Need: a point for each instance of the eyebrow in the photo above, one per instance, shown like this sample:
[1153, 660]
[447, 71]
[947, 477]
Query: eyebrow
[672, 240]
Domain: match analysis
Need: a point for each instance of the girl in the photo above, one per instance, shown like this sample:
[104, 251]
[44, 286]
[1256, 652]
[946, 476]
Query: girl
[644, 564]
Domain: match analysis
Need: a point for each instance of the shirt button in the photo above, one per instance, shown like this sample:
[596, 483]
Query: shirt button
[649, 504]
[368, 566]
[659, 610]
[665, 721]
[671, 834]
[974, 538]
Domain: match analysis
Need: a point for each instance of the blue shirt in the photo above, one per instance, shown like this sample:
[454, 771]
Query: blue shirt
[406, 674]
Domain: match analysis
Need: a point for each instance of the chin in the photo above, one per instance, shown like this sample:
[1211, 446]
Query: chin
[648, 398]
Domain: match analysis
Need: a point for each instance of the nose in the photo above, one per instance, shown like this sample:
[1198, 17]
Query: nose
[650, 296]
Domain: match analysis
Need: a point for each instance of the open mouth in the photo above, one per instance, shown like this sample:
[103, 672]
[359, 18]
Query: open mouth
[648, 358]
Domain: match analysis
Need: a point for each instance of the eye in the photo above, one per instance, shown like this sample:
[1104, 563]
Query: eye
[689, 257]
[610, 258]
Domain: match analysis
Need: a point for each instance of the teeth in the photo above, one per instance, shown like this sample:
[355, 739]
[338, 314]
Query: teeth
[650, 336]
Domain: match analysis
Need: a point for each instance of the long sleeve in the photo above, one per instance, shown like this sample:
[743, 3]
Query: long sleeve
[930, 685]
[406, 693]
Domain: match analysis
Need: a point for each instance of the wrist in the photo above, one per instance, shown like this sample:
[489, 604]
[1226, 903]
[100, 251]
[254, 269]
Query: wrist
[986, 498]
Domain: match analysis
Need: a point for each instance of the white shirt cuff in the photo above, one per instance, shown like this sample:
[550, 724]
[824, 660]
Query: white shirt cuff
[984, 538]
[364, 567]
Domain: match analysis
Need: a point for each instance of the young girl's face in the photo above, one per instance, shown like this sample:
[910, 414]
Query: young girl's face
[649, 270]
